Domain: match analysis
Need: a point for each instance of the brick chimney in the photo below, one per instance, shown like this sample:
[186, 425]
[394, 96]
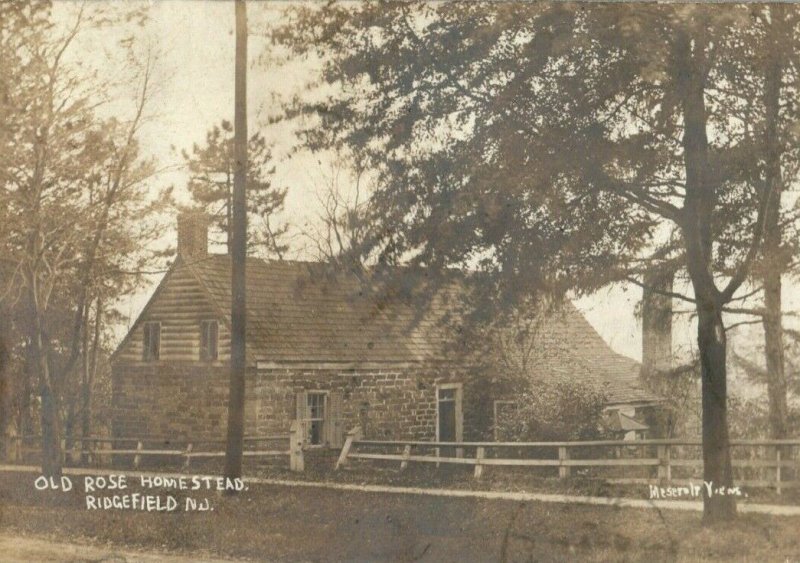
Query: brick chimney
[192, 234]
[657, 323]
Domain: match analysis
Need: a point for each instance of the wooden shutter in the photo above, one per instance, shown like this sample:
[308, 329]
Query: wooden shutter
[301, 413]
[146, 342]
[334, 425]
[151, 341]
[214, 340]
[204, 353]
[209, 337]
[156, 341]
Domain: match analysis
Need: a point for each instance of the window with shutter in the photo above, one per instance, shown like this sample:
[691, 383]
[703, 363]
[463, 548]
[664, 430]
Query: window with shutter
[301, 413]
[320, 416]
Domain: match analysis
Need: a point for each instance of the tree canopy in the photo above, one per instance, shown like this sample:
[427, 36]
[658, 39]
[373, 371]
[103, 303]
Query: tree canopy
[557, 147]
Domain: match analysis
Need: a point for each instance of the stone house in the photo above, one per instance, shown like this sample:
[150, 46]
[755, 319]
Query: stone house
[322, 349]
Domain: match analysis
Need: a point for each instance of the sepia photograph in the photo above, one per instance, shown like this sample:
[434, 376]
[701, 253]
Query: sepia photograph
[395, 281]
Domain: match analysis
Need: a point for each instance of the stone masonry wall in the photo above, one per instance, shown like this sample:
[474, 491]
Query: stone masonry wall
[177, 400]
[190, 400]
[386, 403]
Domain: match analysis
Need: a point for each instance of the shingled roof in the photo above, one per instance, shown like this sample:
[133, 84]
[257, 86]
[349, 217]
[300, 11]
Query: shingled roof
[301, 312]
[569, 348]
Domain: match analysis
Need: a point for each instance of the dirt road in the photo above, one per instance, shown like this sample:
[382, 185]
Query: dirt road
[26, 549]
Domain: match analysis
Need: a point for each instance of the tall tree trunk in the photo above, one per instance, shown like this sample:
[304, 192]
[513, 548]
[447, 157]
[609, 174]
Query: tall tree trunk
[236, 402]
[717, 469]
[772, 252]
[90, 371]
[699, 206]
[38, 356]
[51, 432]
[7, 390]
[50, 407]
[773, 344]
[69, 425]
[25, 414]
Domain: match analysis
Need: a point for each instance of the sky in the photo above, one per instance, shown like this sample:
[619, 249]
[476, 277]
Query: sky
[194, 72]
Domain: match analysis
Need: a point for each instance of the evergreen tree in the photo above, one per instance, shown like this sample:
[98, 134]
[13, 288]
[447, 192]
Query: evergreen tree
[211, 185]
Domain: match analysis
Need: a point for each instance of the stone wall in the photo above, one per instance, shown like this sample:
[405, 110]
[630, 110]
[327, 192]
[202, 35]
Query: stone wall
[179, 400]
[189, 400]
[386, 403]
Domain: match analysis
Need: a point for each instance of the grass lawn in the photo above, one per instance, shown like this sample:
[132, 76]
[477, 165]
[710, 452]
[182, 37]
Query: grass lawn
[494, 479]
[294, 524]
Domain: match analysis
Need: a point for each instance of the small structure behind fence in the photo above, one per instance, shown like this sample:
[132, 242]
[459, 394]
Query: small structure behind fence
[139, 451]
[756, 463]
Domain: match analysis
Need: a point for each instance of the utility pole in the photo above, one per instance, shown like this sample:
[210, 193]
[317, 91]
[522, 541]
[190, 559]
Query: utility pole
[235, 441]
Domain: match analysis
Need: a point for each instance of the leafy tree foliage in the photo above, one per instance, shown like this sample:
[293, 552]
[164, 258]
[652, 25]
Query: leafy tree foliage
[550, 145]
[750, 417]
[417, 101]
[74, 190]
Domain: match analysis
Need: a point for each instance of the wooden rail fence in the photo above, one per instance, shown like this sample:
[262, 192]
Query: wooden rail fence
[97, 451]
[756, 463]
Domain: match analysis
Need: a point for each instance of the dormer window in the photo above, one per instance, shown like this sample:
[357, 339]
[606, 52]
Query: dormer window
[209, 340]
[151, 348]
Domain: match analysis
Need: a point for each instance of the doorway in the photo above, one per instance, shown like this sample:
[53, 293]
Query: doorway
[449, 415]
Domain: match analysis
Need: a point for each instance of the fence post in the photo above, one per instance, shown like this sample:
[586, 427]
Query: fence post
[353, 436]
[13, 448]
[74, 453]
[777, 469]
[406, 455]
[296, 438]
[479, 455]
[563, 455]
[187, 456]
[664, 468]
[137, 457]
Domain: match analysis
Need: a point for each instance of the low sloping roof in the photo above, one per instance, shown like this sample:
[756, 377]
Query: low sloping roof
[569, 348]
[615, 421]
[300, 312]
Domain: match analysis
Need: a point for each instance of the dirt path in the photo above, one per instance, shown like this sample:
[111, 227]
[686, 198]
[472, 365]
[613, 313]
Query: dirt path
[23, 548]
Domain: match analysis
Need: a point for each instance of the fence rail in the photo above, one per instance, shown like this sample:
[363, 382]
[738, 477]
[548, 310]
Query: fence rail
[762, 463]
[95, 450]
